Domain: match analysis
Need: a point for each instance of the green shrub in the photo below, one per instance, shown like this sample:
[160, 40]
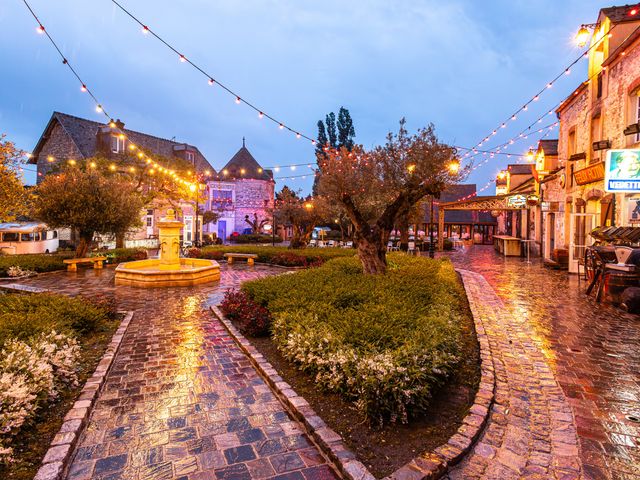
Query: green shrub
[25, 316]
[254, 238]
[447, 244]
[382, 341]
[34, 262]
[267, 253]
[119, 255]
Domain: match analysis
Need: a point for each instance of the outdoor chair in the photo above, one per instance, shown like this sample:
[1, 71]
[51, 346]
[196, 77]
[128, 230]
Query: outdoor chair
[412, 248]
[391, 247]
[313, 243]
[347, 244]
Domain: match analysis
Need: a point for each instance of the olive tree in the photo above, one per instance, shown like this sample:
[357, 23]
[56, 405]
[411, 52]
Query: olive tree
[377, 187]
[88, 202]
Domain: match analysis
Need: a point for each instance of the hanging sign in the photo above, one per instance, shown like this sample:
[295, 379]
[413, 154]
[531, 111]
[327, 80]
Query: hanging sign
[516, 201]
[622, 171]
[593, 173]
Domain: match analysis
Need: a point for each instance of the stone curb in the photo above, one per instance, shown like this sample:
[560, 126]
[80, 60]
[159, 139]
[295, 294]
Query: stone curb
[58, 456]
[328, 441]
[428, 466]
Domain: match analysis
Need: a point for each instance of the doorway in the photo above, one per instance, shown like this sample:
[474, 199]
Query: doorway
[580, 226]
[222, 230]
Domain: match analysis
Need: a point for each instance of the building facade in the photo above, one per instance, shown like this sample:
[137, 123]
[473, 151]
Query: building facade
[601, 116]
[231, 195]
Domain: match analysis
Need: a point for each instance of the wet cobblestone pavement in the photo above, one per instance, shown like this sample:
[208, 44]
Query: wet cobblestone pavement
[181, 400]
[593, 352]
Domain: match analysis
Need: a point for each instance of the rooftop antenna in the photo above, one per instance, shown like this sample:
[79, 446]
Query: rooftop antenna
[242, 142]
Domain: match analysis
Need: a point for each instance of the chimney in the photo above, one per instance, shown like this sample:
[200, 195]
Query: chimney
[120, 124]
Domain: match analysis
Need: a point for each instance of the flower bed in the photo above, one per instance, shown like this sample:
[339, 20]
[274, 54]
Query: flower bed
[48, 345]
[382, 342]
[276, 255]
[33, 262]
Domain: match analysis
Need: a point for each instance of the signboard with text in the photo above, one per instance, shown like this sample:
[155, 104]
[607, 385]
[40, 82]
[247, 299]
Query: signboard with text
[622, 171]
[593, 173]
[516, 201]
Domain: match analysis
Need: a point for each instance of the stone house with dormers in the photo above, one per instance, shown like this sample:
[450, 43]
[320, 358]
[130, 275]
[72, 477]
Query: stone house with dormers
[69, 138]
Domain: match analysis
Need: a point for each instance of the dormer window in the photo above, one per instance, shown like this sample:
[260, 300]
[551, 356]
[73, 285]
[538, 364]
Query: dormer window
[190, 156]
[117, 144]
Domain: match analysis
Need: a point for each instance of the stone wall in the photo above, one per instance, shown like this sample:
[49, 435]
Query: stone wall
[59, 146]
[252, 196]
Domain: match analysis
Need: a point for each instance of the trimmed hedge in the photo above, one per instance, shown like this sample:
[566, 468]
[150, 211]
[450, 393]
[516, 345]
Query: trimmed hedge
[34, 262]
[267, 254]
[119, 255]
[23, 317]
[254, 238]
[382, 341]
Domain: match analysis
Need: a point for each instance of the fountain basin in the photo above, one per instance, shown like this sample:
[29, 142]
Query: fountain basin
[153, 273]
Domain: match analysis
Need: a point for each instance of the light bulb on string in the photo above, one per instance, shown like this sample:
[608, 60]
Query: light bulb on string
[183, 59]
[260, 115]
[238, 100]
[83, 88]
[99, 108]
[211, 82]
[281, 126]
[145, 29]
[40, 29]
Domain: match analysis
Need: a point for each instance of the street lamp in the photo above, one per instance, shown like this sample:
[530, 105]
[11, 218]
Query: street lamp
[530, 155]
[193, 187]
[454, 166]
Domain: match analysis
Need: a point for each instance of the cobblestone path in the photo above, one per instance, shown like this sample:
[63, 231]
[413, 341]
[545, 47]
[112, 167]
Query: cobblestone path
[181, 400]
[593, 351]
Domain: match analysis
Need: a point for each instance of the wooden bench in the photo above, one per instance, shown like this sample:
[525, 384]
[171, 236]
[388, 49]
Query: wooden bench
[72, 263]
[249, 256]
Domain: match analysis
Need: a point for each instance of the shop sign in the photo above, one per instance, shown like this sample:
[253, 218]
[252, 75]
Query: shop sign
[516, 201]
[622, 171]
[593, 173]
[633, 209]
[550, 206]
[501, 190]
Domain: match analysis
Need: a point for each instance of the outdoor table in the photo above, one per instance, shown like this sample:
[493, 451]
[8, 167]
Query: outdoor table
[507, 245]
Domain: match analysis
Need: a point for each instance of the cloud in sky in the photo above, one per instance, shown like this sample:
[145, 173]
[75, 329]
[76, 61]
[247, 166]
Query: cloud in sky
[462, 65]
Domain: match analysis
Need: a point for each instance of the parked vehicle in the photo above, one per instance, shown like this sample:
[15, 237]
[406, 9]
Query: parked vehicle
[30, 237]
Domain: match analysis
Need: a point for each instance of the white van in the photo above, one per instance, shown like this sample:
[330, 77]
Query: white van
[31, 237]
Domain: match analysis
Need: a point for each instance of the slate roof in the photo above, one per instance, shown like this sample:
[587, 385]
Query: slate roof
[83, 133]
[549, 147]
[620, 14]
[244, 160]
[520, 168]
[452, 194]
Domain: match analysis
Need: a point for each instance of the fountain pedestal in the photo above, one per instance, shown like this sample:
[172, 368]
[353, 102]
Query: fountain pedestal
[169, 270]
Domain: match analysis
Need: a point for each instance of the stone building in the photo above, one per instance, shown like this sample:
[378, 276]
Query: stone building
[242, 189]
[602, 115]
[69, 138]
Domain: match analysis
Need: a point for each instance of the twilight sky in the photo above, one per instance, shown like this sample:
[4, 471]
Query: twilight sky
[463, 65]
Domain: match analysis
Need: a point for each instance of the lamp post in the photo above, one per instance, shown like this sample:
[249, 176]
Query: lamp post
[432, 248]
[194, 187]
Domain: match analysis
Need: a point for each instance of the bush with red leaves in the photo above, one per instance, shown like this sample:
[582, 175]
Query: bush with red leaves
[202, 253]
[291, 259]
[251, 319]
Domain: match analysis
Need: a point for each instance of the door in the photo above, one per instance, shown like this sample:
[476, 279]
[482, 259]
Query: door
[549, 234]
[581, 224]
[222, 230]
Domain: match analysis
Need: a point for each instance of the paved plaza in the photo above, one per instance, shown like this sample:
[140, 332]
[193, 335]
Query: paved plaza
[181, 400]
[593, 352]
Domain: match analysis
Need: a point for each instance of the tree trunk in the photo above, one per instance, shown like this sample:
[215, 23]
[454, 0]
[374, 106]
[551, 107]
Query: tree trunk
[403, 226]
[120, 240]
[83, 245]
[373, 254]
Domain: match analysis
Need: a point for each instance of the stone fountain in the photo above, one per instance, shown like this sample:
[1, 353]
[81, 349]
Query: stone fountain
[169, 270]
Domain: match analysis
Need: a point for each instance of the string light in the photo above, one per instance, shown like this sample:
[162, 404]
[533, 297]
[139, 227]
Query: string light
[201, 70]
